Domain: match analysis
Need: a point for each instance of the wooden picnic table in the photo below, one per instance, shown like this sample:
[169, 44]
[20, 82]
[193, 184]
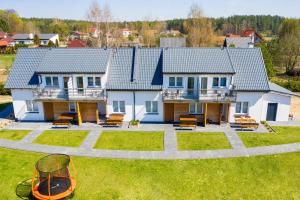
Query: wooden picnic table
[187, 121]
[62, 122]
[114, 119]
[67, 116]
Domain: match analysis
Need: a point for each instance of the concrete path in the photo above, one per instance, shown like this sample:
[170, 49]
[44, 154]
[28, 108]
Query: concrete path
[234, 140]
[170, 141]
[31, 136]
[90, 140]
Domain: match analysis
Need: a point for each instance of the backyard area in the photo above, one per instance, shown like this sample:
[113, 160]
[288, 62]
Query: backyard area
[202, 141]
[283, 135]
[131, 140]
[61, 138]
[271, 177]
[13, 134]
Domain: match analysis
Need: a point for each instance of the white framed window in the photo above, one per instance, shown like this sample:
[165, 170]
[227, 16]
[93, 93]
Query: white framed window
[151, 107]
[175, 81]
[119, 106]
[72, 107]
[219, 82]
[94, 81]
[242, 107]
[52, 81]
[196, 108]
[32, 106]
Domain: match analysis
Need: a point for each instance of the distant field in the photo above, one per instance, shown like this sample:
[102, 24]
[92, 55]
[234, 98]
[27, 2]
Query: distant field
[6, 60]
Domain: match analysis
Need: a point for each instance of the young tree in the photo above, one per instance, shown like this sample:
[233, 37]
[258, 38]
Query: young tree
[94, 14]
[199, 28]
[56, 43]
[267, 58]
[286, 49]
[36, 40]
[51, 44]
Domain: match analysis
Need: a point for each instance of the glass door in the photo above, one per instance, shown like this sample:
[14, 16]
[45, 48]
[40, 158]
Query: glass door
[204, 85]
[191, 86]
[79, 81]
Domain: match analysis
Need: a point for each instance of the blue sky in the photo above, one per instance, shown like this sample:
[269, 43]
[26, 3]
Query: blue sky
[152, 9]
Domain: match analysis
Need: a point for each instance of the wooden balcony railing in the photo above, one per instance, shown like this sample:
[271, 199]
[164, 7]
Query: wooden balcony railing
[209, 95]
[70, 94]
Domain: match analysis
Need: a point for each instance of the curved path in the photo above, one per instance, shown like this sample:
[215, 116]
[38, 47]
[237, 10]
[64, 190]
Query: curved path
[170, 151]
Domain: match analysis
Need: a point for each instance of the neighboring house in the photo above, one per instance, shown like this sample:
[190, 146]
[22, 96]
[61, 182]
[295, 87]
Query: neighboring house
[148, 84]
[256, 37]
[29, 38]
[126, 32]
[94, 32]
[77, 35]
[3, 35]
[172, 42]
[77, 44]
[239, 42]
[173, 33]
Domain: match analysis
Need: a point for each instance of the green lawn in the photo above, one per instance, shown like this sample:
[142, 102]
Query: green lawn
[6, 60]
[131, 140]
[262, 177]
[283, 135]
[202, 141]
[13, 134]
[68, 138]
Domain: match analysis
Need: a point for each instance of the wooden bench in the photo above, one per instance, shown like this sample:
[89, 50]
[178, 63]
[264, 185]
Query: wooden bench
[187, 121]
[62, 122]
[114, 120]
[246, 123]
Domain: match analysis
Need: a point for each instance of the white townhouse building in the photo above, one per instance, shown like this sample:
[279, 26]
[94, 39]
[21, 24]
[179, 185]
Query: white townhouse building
[147, 84]
[29, 38]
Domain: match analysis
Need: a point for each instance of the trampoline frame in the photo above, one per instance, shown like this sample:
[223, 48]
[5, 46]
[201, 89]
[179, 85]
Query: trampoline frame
[36, 182]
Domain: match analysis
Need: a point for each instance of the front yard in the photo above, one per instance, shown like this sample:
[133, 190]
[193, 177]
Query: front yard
[131, 140]
[202, 141]
[261, 177]
[283, 135]
[13, 134]
[68, 138]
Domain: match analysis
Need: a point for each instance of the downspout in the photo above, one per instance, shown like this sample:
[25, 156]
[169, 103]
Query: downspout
[133, 92]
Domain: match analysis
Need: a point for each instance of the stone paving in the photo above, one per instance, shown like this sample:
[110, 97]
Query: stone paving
[170, 143]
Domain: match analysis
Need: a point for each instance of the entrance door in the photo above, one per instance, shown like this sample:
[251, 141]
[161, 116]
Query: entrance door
[66, 83]
[272, 111]
[79, 81]
[191, 86]
[49, 111]
[169, 112]
[204, 85]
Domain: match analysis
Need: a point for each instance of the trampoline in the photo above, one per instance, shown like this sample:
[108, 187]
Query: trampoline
[52, 179]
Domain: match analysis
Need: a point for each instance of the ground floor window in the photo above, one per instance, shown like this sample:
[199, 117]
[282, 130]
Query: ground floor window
[242, 107]
[196, 108]
[72, 107]
[32, 106]
[119, 106]
[151, 106]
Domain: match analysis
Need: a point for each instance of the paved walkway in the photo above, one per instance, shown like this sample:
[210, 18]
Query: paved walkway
[170, 152]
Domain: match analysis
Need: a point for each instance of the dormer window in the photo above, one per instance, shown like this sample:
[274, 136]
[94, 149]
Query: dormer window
[52, 81]
[175, 81]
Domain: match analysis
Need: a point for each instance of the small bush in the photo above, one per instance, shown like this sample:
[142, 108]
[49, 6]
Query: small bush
[4, 91]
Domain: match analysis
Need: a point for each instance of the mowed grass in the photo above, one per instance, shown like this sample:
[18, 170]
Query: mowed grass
[68, 138]
[6, 60]
[13, 134]
[131, 140]
[201, 141]
[262, 177]
[283, 135]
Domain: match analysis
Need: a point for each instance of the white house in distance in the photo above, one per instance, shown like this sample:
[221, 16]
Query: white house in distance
[29, 38]
[126, 32]
[148, 84]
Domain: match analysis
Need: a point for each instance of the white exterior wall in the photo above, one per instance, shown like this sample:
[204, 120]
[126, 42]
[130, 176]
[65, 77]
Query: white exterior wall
[19, 103]
[120, 96]
[255, 100]
[140, 106]
[258, 105]
[283, 108]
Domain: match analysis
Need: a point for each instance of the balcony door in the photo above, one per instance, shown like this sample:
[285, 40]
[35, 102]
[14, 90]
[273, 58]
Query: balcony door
[79, 82]
[203, 85]
[66, 84]
[191, 86]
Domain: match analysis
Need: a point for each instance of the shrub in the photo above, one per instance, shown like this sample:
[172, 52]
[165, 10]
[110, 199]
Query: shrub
[4, 91]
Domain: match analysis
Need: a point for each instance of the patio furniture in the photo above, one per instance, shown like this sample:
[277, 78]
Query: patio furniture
[246, 122]
[67, 116]
[187, 121]
[62, 122]
[114, 120]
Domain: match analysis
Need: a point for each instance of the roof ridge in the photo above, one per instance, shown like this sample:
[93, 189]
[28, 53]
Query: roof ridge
[230, 61]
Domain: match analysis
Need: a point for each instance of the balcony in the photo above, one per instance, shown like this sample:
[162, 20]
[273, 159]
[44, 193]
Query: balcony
[210, 95]
[69, 94]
